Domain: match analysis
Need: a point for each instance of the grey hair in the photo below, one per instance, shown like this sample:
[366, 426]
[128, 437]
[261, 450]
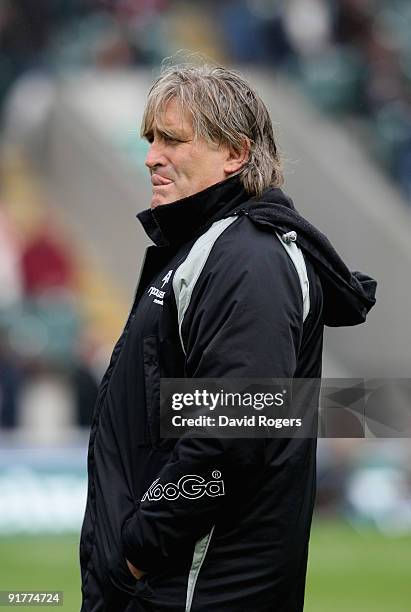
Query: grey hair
[225, 109]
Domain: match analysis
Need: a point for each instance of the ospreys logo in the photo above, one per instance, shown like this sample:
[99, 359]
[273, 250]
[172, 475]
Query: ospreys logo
[190, 486]
[158, 293]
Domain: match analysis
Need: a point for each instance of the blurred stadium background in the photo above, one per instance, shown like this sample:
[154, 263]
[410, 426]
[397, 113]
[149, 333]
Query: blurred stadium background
[336, 75]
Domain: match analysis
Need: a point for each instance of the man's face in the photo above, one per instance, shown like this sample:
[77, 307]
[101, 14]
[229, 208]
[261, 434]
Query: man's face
[179, 164]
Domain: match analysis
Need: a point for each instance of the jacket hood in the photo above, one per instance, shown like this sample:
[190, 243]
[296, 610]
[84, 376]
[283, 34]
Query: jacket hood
[348, 296]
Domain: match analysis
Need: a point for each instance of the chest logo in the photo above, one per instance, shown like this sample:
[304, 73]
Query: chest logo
[166, 278]
[158, 293]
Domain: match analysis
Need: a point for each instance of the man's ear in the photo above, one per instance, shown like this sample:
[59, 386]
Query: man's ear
[236, 158]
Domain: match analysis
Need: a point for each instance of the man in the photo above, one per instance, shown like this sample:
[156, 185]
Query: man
[238, 285]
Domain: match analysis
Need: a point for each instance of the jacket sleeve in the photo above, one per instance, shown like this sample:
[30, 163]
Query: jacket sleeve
[244, 319]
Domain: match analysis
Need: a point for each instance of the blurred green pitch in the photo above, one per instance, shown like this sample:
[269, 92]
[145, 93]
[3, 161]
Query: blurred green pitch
[348, 571]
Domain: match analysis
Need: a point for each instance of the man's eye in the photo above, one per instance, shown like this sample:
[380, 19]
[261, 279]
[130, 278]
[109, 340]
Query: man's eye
[165, 137]
[170, 139]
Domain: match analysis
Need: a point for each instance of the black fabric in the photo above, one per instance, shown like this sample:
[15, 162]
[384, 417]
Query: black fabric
[244, 319]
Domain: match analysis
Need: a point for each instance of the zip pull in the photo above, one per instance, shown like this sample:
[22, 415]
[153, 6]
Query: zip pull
[289, 237]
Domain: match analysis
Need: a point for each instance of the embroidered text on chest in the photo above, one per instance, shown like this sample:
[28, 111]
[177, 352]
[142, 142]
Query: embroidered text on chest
[158, 293]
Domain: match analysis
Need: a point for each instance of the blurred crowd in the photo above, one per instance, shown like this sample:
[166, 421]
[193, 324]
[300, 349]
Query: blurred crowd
[62, 34]
[352, 57]
[47, 363]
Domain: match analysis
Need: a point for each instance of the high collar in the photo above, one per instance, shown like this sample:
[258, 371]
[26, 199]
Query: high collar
[182, 220]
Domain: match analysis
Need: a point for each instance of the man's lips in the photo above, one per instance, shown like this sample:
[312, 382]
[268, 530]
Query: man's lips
[157, 180]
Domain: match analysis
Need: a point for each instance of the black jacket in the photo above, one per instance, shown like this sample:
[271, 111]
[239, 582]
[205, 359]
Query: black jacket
[219, 296]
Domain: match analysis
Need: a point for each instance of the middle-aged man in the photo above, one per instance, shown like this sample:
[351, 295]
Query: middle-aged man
[238, 285]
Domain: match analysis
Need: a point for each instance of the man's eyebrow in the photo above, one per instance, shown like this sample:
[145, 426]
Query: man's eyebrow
[172, 133]
[177, 134]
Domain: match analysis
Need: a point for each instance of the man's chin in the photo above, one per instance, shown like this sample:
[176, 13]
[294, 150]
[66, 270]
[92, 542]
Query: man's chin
[160, 199]
[158, 202]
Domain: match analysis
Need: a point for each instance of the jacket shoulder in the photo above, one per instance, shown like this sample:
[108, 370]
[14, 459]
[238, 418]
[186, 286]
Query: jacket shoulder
[244, 240]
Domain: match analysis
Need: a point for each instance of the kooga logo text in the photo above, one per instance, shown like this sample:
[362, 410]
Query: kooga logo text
[190, 486]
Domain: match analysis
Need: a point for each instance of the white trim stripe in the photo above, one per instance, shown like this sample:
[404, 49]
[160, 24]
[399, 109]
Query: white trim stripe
[297, 258]
[199, 554]
[187, 274]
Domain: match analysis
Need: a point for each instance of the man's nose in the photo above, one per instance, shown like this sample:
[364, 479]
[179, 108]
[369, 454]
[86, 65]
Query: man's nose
[154, 156]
